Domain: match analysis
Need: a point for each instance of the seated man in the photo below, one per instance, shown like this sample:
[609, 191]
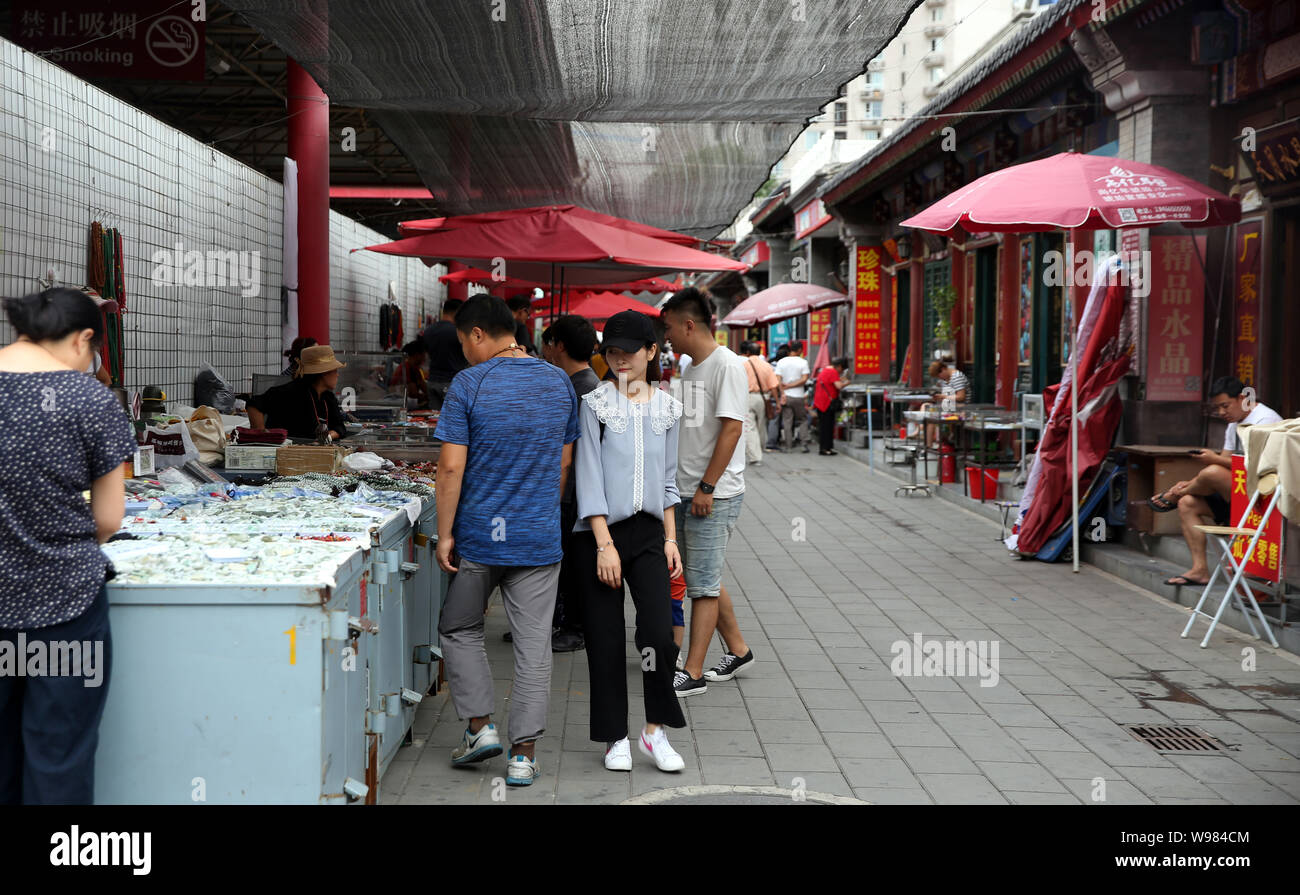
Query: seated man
[952, 384]
[1207, 495]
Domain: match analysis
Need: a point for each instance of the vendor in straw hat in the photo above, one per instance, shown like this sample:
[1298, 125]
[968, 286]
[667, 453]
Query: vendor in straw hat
[307, 407]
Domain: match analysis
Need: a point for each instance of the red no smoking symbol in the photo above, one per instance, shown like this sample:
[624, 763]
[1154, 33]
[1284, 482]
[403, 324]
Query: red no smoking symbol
[171, 41]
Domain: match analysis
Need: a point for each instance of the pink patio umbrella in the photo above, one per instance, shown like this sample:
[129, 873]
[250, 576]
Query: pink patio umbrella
[781, 302]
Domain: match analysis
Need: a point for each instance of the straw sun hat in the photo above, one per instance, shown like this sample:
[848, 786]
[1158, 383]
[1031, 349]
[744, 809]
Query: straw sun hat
[318, 359]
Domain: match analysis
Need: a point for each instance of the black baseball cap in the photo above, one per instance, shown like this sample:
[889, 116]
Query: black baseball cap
[628, 331]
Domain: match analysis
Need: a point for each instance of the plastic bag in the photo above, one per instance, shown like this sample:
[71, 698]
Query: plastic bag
[172, 445]
[211, 389]
[365, 461]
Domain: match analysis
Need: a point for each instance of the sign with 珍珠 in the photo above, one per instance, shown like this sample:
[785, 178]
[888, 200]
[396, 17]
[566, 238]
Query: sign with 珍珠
[866, 310]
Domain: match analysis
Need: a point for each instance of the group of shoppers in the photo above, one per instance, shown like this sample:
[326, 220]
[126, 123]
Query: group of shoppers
[784, 387]
[553, 481]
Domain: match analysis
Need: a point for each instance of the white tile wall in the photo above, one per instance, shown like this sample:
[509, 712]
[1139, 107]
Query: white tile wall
[113, 163]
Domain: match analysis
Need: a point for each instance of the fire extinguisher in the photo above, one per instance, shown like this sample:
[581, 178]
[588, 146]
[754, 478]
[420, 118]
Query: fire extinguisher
[947, 463]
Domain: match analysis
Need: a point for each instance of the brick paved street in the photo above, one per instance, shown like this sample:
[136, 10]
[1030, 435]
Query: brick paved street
[1079, 656]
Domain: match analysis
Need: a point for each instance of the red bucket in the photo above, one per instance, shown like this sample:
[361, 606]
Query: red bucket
[982, 488]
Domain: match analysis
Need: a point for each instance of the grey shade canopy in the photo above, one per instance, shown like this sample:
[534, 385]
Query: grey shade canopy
[669, 112]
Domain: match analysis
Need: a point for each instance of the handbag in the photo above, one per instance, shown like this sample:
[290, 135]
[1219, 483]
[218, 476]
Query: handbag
[770, 407]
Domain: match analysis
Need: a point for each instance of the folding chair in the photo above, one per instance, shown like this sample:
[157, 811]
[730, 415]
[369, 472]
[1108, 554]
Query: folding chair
[1224, 535]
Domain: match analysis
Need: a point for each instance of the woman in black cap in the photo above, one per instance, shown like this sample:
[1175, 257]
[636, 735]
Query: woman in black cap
[629, 437]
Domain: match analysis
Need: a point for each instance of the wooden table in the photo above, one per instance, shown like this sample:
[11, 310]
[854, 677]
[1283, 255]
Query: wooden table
[1153, 469]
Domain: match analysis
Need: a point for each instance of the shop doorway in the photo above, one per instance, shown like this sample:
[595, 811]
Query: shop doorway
[902, 322]
[983, 383]
[1048, 355]
[1283, 386]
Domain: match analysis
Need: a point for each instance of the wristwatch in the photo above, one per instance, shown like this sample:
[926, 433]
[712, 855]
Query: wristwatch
[706, 487]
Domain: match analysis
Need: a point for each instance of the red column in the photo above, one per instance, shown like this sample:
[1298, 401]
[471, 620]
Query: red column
[1008, 320]
[886, 320]
[916, 338]
[959, 306]
[309, 146]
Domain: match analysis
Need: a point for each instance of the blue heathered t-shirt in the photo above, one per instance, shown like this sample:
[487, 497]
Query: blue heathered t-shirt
[516, 414]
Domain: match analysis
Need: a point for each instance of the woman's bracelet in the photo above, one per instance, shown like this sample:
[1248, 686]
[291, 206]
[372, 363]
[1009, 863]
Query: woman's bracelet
[670, 540]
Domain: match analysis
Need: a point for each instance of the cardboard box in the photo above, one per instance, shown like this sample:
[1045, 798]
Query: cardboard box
[299, 458]
[143, 460]
[251, 456]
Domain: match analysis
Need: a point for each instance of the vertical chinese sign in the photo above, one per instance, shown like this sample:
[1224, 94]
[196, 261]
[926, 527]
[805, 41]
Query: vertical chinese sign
[1266, 560]
[866, 311]
[893, 327]
[1175, 319]
[819, 323]
[1245, 332]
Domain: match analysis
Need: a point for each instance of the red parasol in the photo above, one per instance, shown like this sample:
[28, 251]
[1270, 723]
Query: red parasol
[781, 302]
[585, 250]
[603, 305]
[459, 222]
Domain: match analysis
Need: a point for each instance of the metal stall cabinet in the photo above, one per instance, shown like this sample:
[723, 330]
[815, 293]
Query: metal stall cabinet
[238, 694]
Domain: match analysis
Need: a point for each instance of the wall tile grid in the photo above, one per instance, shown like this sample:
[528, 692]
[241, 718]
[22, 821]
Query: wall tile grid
[111, 162]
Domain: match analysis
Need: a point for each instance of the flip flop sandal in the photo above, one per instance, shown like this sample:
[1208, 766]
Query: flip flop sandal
[1160, 505]
[1184, 581]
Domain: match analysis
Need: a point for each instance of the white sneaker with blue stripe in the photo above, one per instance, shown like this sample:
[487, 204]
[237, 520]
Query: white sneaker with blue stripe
[477, 746]
[520, 771]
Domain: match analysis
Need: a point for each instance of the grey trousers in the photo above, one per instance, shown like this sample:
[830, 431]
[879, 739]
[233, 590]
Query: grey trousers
[528, 594]
[794, 413]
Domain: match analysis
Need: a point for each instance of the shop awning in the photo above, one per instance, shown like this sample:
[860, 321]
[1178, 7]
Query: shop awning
[669, 112]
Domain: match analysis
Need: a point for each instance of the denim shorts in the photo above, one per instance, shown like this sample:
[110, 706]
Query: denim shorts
[704, 544]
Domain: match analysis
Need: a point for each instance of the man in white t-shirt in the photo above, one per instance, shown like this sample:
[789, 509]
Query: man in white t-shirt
[794, 373]
[711, 481]
[1208, 495]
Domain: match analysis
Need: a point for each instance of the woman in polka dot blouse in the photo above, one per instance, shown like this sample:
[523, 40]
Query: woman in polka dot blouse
[61, 433]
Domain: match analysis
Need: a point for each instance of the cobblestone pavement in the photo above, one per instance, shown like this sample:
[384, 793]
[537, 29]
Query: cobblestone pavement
[829, 571]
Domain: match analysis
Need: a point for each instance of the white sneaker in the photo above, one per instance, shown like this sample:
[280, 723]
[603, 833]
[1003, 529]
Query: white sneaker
[657, 747]
[618, 757]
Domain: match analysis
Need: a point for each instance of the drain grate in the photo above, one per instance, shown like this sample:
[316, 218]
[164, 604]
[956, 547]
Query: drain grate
[1174, 739]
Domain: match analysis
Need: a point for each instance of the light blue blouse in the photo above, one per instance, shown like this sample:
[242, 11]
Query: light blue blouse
[634, 468]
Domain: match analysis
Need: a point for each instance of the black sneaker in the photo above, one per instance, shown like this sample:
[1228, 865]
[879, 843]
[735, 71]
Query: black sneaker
[728, 666]
[564, 641]
[685, 685]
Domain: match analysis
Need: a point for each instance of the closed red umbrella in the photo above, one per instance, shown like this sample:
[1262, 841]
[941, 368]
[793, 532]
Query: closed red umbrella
[586, 250]
[431, 225]
[1073, 191]
[781, 302]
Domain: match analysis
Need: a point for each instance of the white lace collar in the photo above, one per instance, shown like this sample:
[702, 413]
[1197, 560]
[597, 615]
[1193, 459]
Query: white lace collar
[614, 410]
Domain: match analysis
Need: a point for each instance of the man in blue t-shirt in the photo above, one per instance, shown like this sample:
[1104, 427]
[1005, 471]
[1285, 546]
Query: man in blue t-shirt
[508, 424]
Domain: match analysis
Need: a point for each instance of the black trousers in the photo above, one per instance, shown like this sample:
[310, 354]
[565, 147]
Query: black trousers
[640, 545]
[826, 429]
[568, 597]
[49, 725]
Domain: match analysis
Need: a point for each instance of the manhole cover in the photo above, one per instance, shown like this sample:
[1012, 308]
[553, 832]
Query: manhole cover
[739, 795]
[1174, 739]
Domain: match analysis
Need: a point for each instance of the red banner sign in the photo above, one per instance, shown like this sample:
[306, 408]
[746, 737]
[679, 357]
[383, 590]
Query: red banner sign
[1266, 560]
[757, 253]
[1246, 304]
[156, 40]
[818, 324]
[866, 311]
[1175, 319]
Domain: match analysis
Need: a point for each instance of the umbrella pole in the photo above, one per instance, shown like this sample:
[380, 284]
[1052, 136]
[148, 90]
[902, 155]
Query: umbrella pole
[551, 291]
[1074, 402]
